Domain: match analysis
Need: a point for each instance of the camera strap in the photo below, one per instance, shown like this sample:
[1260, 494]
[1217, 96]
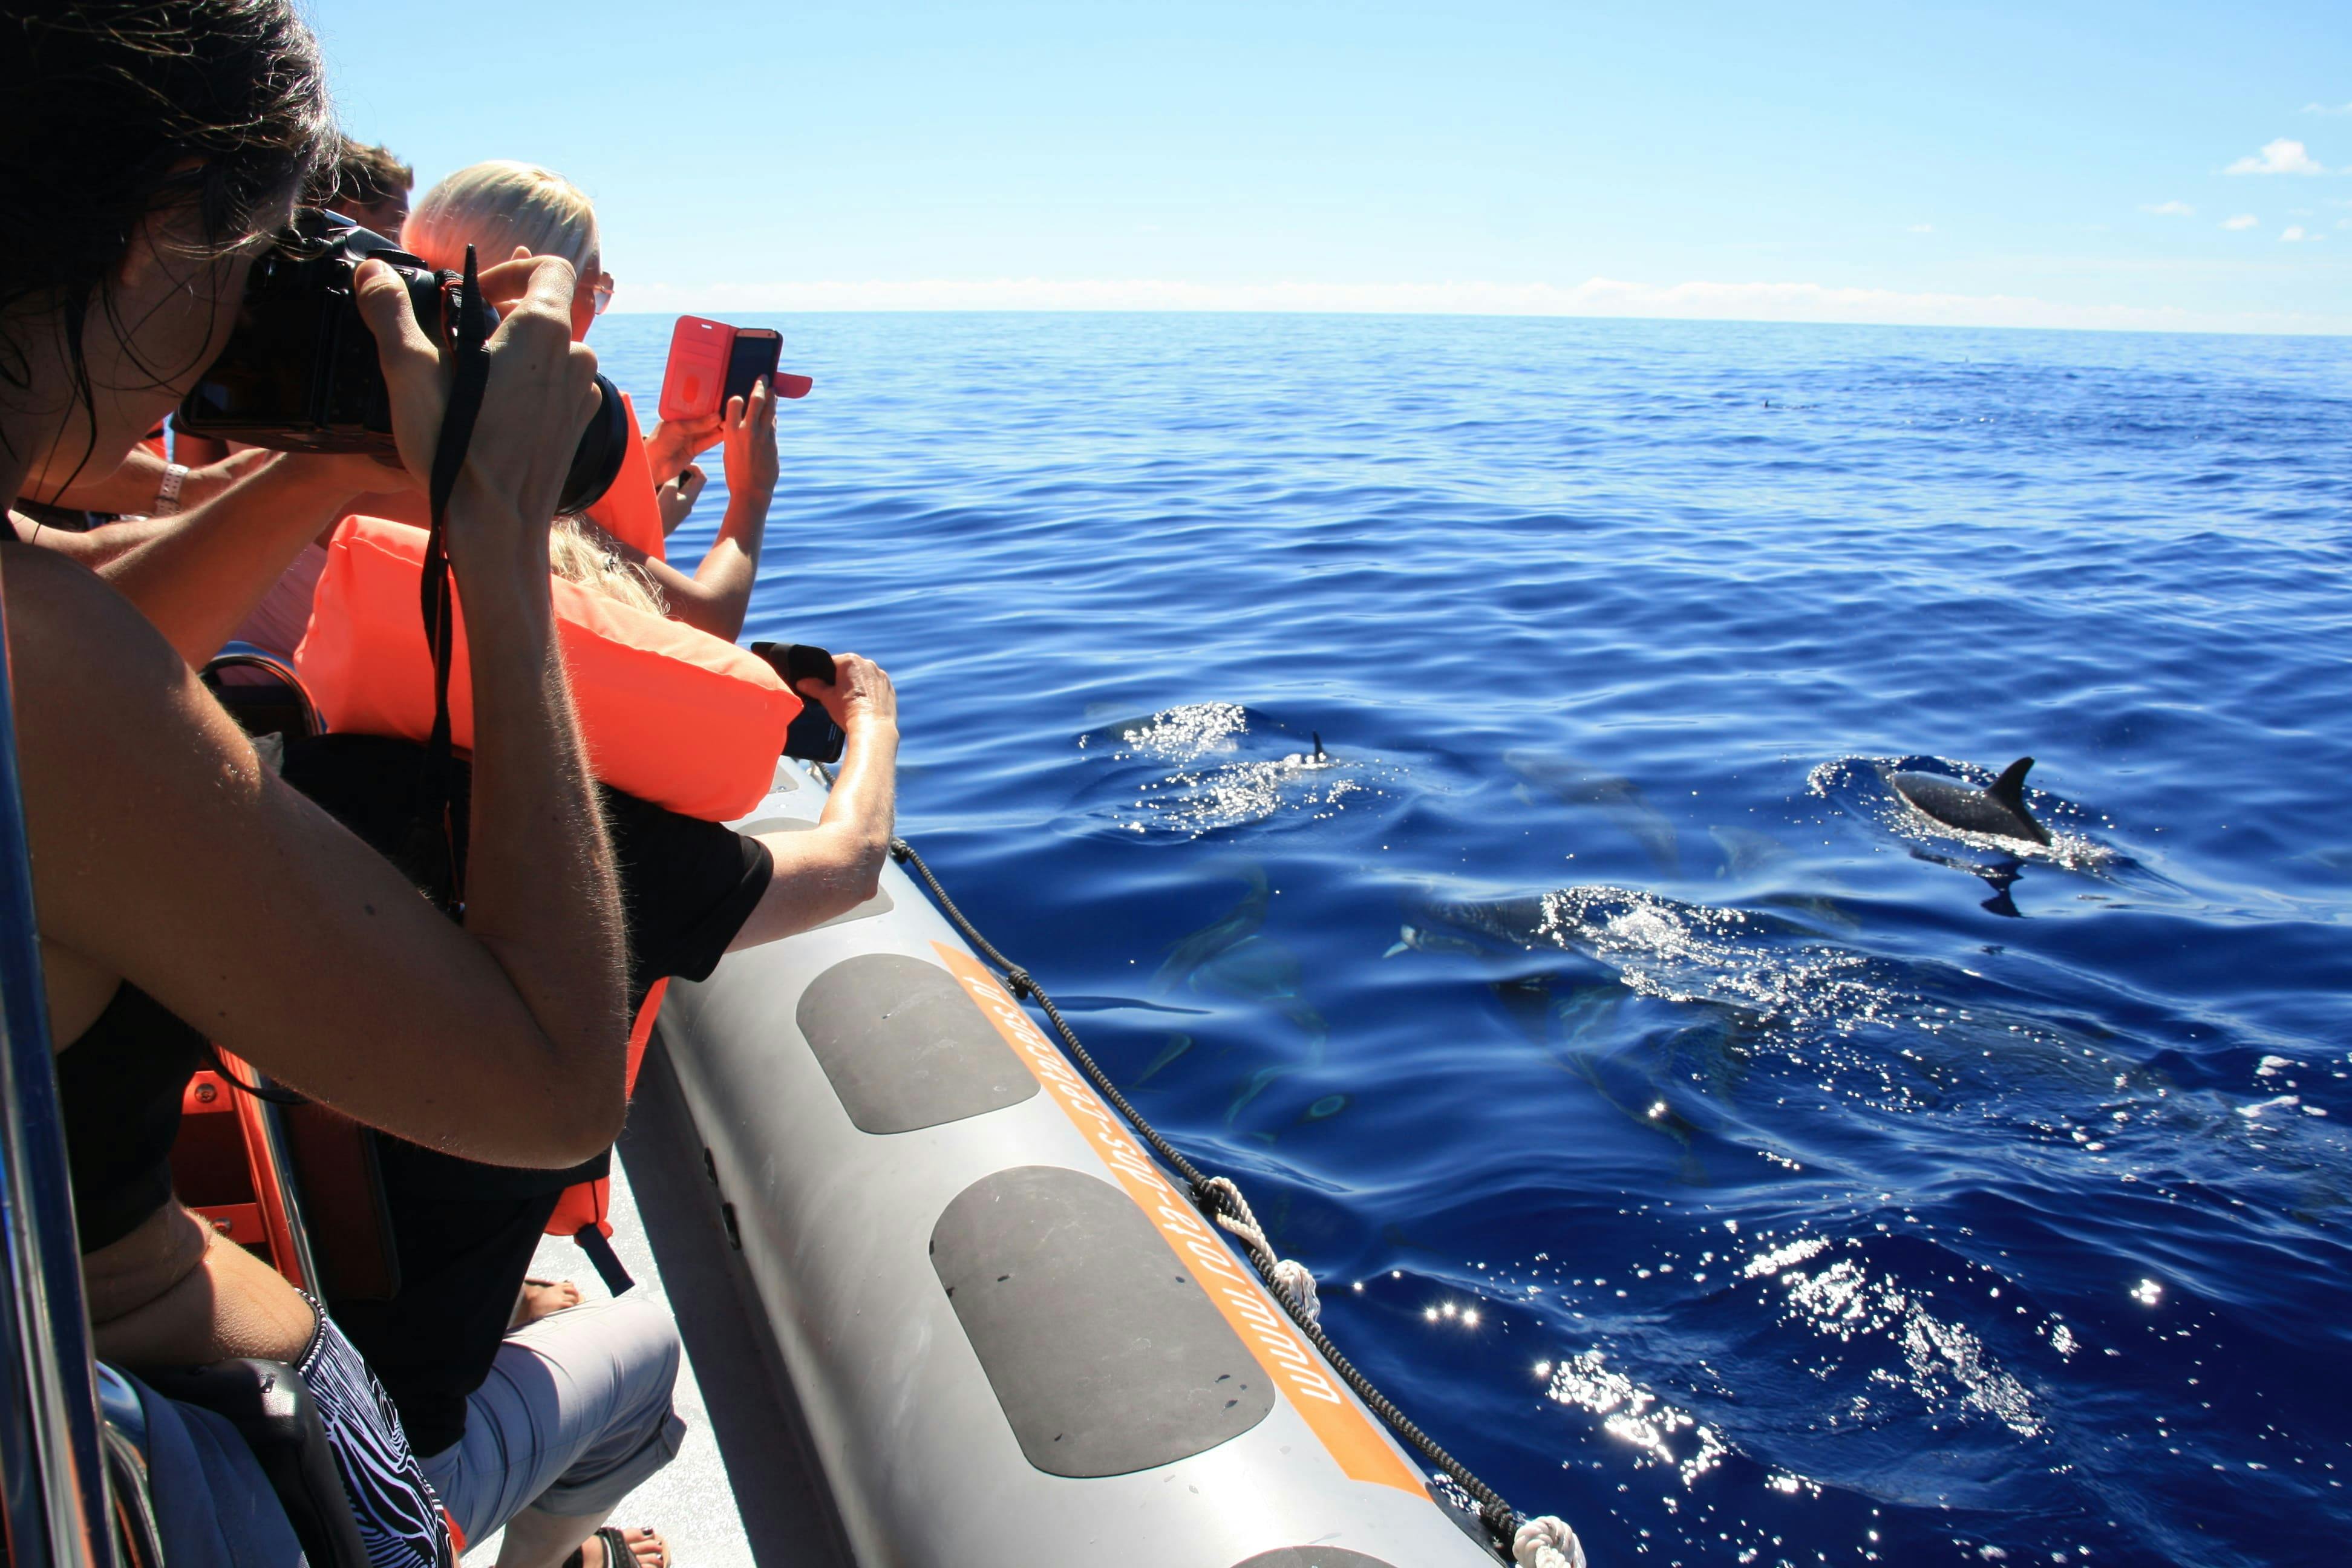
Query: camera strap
[436, 827]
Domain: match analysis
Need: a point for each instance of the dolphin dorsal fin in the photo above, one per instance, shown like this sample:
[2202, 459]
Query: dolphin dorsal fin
[2010, 788]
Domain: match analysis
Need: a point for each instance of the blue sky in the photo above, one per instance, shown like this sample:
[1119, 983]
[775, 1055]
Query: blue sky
[2044, 165]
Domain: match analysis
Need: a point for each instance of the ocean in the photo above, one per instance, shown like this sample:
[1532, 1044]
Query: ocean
[1698, 1141]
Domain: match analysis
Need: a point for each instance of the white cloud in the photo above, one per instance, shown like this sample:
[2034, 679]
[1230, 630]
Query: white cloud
[2282, 156]
[2170, 210]
[2243, 220]
[1921, 229]
[2327, 109]
[2293, 235]
[1697, 300]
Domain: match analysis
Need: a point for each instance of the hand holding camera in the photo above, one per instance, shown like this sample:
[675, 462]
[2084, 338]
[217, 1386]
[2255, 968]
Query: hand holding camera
[542, 392]
[330, 307]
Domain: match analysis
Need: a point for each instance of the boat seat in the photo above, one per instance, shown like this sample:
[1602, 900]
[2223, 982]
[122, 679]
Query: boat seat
[188, 1491]
[273, 1411]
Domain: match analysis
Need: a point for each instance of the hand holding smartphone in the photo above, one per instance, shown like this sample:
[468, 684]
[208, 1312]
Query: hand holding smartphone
[711, 363]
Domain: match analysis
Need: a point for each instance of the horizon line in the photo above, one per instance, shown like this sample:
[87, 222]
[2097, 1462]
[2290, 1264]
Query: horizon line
[1599, 298]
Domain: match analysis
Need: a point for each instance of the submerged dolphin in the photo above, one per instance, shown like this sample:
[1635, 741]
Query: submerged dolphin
[1619, 799]
[1997, 809]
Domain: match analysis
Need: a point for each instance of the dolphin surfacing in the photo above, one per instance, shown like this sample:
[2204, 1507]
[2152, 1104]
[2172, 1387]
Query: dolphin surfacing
[1997, 809]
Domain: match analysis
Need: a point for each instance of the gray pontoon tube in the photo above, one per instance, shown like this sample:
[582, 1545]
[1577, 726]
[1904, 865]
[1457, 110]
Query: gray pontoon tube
[1017, 1344]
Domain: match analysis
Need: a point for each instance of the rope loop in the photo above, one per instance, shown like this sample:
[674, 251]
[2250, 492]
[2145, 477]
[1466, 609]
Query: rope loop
[1547, 1541]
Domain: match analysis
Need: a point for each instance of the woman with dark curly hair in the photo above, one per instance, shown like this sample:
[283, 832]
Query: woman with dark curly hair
[149, 150]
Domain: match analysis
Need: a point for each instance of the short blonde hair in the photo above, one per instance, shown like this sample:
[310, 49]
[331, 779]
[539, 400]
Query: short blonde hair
[498, 206]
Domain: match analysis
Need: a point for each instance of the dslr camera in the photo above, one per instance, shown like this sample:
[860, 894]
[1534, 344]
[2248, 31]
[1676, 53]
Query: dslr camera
[300, 372]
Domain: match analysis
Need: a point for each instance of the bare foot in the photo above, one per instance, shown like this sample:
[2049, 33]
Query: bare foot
[539, 1298]
[648, 1549]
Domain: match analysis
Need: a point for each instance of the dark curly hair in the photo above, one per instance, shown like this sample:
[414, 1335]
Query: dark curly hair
[118, 109]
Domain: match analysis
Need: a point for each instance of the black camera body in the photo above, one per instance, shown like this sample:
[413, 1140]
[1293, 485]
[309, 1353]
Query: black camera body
[299, 373]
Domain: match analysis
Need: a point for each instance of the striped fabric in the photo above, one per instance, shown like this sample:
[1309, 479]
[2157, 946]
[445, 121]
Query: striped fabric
[399, 1517]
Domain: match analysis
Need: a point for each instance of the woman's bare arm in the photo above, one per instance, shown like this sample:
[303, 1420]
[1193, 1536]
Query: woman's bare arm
[199, 574]
[717, 596]
[832, 869]
[136, 487]
[165, 854]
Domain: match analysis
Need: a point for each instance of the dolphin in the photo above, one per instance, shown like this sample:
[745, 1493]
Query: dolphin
[1997, 809]
[1236, 926]
[1619, 800]
[1318, 759]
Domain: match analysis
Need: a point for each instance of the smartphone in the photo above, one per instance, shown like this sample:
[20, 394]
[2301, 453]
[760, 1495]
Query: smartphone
[710, 361]
[753, 354]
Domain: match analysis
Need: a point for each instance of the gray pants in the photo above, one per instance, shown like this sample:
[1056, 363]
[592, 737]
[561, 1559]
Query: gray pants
[575, 1413]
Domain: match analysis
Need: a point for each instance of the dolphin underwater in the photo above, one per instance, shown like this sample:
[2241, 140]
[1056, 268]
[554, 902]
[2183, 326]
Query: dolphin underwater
[1997, 809]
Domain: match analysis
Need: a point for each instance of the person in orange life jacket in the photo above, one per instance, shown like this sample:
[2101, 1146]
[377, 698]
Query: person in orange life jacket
[691, 890]
[508, 209]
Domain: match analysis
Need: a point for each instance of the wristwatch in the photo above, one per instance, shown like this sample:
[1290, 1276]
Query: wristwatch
[167, 494]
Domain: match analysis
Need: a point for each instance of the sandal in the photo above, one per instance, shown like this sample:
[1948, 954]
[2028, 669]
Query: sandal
[620, 1551]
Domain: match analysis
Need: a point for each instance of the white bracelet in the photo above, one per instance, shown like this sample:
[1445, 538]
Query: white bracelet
[167, 494]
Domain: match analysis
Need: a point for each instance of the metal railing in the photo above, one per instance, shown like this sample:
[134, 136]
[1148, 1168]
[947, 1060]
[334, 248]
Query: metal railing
[52, 1481]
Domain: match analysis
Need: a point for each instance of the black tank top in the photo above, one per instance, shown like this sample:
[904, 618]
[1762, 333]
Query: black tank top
[120, 1088]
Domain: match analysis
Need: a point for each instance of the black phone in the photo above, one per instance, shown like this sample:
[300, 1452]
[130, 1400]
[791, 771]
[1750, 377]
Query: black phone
[813, 736]
[753, 356]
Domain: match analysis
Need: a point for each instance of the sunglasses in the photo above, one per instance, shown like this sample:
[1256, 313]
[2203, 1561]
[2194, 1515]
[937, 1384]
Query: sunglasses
[603, 290]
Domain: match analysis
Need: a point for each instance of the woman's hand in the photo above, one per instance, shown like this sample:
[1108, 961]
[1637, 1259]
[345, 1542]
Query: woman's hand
[541, 395]
[750, 437]
[860, 697]
[674, 496]
[675, 444]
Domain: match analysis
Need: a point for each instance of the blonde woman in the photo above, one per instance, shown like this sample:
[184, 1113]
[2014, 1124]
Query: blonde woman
[505, 209]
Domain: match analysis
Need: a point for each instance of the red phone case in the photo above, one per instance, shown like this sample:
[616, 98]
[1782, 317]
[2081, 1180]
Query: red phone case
[698, 349]
[696, 378]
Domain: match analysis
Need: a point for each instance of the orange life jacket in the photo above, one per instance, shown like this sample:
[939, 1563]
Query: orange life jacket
[629, 512]
[587, 1206]
[670, 714]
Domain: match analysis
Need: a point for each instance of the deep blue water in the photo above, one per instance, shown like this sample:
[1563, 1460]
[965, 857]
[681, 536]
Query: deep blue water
[1696, 1141]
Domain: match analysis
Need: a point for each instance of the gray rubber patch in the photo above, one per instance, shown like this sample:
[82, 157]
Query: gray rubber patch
[1311, 1557]
[905, 1046]
[1104, 1353]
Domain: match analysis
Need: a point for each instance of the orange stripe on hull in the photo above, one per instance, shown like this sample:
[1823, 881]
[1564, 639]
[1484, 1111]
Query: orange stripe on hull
[1360, 1448]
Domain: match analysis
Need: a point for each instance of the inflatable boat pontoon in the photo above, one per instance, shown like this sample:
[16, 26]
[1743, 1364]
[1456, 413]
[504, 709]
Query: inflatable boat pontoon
[1014, 1343]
